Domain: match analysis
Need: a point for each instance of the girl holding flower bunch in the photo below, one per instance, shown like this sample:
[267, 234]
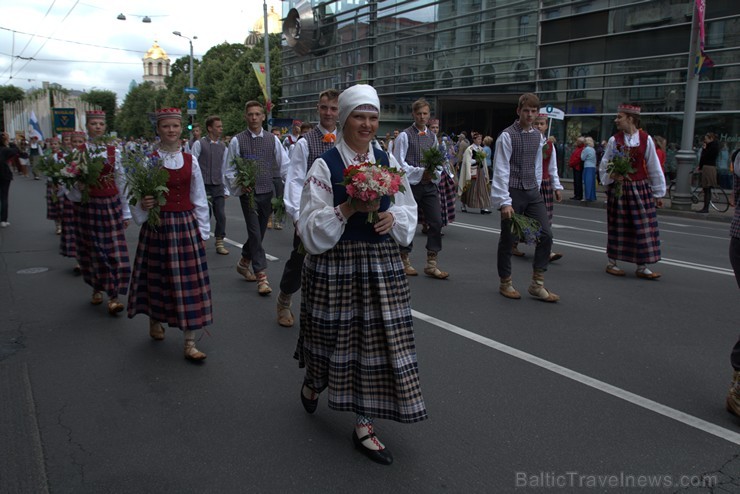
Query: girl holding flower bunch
[170, 280]
[101, 220]
[632, 219]
[356, 336]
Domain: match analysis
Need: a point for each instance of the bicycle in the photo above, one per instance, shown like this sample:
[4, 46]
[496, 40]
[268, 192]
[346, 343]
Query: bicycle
[719, 200]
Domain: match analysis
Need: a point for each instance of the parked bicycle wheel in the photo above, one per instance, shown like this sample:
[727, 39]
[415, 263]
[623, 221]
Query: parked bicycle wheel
[720, 201]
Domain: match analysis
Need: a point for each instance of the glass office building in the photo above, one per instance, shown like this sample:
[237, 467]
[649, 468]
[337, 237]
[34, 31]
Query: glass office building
[471, 59]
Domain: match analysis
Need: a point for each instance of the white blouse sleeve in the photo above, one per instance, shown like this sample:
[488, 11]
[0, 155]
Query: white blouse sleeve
[120, 177]
[552, 167]
[230, 170]
[320, 225]
[608, 154]
[200, 201]
[404, 210]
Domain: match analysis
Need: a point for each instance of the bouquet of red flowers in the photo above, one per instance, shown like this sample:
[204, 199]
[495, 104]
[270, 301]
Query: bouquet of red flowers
[82, 170]
[369, 182]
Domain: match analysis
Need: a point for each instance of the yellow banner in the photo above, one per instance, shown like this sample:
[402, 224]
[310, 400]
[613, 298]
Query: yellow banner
[259, 71]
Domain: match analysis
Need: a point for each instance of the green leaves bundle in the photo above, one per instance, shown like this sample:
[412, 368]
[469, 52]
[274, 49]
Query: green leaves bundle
[246, 176]
[145, 176]
[527, 229]
[619, 167]
[433, 158]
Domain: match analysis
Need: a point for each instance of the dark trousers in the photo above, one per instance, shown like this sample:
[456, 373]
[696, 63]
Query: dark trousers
[291, 280]
[577, 184]
[217, 207]
[735, 261]
[530, 204]
[4, 194]
[256, 220]
[427, 199]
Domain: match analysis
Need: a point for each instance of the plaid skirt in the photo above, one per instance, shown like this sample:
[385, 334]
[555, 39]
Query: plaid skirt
[101, 245]
[170, 275]
[547, 196]
[632, 224]
[53, 207]
[357, 333]
[447, 198]
[68, 238]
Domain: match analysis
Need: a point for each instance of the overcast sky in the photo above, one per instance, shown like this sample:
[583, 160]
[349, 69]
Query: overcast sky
[82, 45]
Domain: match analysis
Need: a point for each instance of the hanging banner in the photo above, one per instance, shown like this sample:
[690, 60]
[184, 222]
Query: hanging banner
[259, 71]
[700, 7]
[63, 120]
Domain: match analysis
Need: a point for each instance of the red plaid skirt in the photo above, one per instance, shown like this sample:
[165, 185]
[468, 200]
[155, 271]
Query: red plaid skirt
[101, 245]
[53, 207]
[170, 276]
[547, 196]
[68, 238]
[632, 222]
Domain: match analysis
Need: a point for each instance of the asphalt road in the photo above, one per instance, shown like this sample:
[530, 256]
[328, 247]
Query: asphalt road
[618, 387]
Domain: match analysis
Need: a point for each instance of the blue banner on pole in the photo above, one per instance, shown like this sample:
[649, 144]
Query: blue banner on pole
[64, 120]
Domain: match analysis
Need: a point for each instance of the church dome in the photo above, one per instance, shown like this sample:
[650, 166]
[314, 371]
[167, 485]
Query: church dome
[273, 23]
[156, 53]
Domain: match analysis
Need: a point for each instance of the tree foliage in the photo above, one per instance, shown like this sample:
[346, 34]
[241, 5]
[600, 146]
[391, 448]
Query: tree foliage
[225, 81]
[9, 94]
[141, 101]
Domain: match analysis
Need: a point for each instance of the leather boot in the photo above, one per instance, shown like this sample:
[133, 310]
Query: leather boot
[431, 268]
[220, 249]
[537, 289]
[407, 267]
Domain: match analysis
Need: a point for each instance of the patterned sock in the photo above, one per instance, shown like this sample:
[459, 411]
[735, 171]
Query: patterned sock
[363, 427]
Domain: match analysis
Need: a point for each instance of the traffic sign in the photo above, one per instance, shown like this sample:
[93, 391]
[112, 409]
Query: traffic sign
[192, 111]
[191, 90]
[192, 104]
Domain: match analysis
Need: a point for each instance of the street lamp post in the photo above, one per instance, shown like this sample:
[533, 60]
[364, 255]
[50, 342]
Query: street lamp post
[267, 69]
[178, 33]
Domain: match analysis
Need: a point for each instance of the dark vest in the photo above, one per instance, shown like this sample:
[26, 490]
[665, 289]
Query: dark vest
[261, 149]
[417, 145]
[211, 160]
[637, 155]
[178, 197]
[357, 227]
[106, 186]
[316, 145]
[524, 147]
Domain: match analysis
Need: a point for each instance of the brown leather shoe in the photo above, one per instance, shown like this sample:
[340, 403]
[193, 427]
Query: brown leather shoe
[733, 397]
[244, 268]
[537, 290]
[192, 353]
[647, 276]
[220, 248]
[613, 270]
[114, 307]
[263, 286]
[407, 267]
[156, 330]
[506, 288]
[285, 316]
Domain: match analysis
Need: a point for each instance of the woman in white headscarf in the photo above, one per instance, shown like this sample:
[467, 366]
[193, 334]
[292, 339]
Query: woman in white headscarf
[356, 336]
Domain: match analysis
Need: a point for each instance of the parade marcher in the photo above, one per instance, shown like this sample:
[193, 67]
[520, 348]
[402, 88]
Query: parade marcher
[170, 281]
[53, 203]
[66, 141]
[68, 238]
[197, 134]
[733, 397]
[632, 221]
[266, 149]
[550, 187]
[35, 152]
[517, 175]
[474, 185]
[209, 152]
[7, 153]
[295, 134]
[408, 150]
[357, 334]
[447, 186]
[312, 145]
[101, 243]
[708, 168]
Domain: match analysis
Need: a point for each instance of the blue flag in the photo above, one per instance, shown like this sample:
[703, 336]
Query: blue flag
[33, 127]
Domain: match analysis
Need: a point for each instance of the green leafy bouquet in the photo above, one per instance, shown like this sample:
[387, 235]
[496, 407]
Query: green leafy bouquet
[146, 176]
[83, 170]
[278, 206]
[480, 158]
[619, 168]
[527, 229]
[246, 176]
[52, 169]
[433, 159]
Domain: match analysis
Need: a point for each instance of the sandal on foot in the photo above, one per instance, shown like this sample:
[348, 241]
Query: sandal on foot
[97, 298]
[245, 269]
[506, 288]
[156, 330]
[647, 275]
[614, 270]
[192, 353]
[114, 307]
[382, 456]
[285, 316]
[541, 293]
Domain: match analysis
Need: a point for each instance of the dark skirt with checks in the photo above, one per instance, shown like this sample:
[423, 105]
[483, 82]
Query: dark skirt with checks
[447, 198]
[632, 223]
[68, 238]
[53, 204]
[170, 276]
[357, 335]
[101, 245]
[547, 196]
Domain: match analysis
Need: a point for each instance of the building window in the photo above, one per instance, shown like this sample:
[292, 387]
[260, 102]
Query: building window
[466, 77]
[524, 25]
[578, 81]
[159, 68]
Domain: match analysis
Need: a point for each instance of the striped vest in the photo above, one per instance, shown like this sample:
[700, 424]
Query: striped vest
[316, 145]
[211, 161]
[417, 145]
[261, 149]
[524, 148]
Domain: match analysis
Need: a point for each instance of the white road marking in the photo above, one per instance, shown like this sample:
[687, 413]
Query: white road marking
[641, 401]
[237, 244]
[602, 250]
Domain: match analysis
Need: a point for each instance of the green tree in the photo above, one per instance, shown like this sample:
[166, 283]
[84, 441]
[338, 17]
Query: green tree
[106, 100]
[133, 117]
[9, 94]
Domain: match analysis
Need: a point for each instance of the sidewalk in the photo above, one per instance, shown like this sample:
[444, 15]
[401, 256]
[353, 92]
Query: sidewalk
[666, 210]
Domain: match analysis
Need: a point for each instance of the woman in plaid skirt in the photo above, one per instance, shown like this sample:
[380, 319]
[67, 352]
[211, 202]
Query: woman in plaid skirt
[68, 237]
[170, 280]
[632, 220]
[101, 242]
[53, 203]
[356, 336]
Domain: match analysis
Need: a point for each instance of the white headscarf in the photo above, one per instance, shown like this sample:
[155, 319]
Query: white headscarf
[360, 94]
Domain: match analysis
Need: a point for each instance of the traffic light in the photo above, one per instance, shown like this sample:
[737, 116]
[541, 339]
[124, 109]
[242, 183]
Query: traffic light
[190, 123]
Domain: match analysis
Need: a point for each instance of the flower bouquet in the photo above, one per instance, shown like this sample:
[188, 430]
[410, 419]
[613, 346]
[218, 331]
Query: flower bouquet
[480, 158]
[433, 159]
[83, 170]
[278, 206]
[246, 176]
[621, 166]
[526, 229]
[52, 168]
[145, 176]
[369, 182]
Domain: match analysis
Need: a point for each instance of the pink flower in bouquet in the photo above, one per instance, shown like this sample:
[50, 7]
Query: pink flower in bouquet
[370, 182]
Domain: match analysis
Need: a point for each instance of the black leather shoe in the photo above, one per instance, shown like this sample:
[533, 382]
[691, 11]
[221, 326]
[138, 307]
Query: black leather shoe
[485, 211]
[382, 456]
[309, 405]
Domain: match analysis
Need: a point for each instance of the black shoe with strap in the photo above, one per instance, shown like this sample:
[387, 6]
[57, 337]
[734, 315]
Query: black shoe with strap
[382, 456]
[309, 404]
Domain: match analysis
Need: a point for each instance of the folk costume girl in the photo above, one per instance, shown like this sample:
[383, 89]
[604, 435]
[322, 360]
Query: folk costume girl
[53, 202]
[474, 187]
[101, 243]
[355, 304]
[170, 280]
[632, 221]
